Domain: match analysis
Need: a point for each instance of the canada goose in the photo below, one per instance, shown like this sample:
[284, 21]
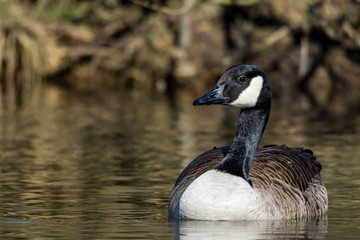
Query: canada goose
[244, 182]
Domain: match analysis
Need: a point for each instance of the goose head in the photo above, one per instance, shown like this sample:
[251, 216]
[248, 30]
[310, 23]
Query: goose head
[242, 86]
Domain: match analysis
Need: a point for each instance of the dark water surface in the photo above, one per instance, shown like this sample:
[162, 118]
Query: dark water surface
[102, 166]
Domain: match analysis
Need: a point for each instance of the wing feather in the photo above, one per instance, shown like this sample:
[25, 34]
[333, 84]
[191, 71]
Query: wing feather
[273, 166]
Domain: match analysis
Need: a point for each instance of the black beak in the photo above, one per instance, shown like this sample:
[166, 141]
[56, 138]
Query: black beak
[215, 96]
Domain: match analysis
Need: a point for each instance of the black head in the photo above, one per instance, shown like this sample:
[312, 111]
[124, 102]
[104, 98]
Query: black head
[243, 86]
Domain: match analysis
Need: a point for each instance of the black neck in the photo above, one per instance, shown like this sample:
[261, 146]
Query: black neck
[251, 125]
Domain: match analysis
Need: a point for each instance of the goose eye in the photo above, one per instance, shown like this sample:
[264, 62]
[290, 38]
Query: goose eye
[242, 79]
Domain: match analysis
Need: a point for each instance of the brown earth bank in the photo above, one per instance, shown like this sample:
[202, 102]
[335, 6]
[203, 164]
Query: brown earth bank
[309, 49]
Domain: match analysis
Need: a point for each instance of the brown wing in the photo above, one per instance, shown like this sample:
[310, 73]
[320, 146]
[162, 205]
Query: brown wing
[203, 163]
[294, 166]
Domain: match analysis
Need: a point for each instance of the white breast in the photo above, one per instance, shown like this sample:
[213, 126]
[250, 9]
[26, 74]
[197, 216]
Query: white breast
[219, 196]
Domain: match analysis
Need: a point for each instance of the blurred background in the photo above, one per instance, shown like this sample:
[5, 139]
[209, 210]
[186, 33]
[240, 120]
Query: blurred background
[97, 122]
[309, 49]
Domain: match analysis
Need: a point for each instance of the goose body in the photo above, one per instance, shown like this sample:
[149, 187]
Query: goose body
[243, 181]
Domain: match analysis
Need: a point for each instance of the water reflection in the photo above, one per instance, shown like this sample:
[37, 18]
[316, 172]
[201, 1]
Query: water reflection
[103, 166]
[315, 228]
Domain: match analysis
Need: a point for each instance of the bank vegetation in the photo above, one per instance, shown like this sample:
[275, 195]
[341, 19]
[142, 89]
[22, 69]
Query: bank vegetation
[310, 49]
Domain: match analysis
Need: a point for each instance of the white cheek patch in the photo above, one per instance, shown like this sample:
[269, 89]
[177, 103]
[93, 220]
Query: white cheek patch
[250, 95]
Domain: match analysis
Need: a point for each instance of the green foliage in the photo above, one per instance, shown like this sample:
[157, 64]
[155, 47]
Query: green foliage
[235, 2]
[142, 43]
[63, 11]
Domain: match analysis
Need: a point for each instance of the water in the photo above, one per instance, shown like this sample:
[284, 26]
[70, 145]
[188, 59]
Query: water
[101, 166]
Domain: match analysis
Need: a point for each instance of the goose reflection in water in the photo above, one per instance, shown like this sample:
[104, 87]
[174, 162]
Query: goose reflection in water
[300, 228]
